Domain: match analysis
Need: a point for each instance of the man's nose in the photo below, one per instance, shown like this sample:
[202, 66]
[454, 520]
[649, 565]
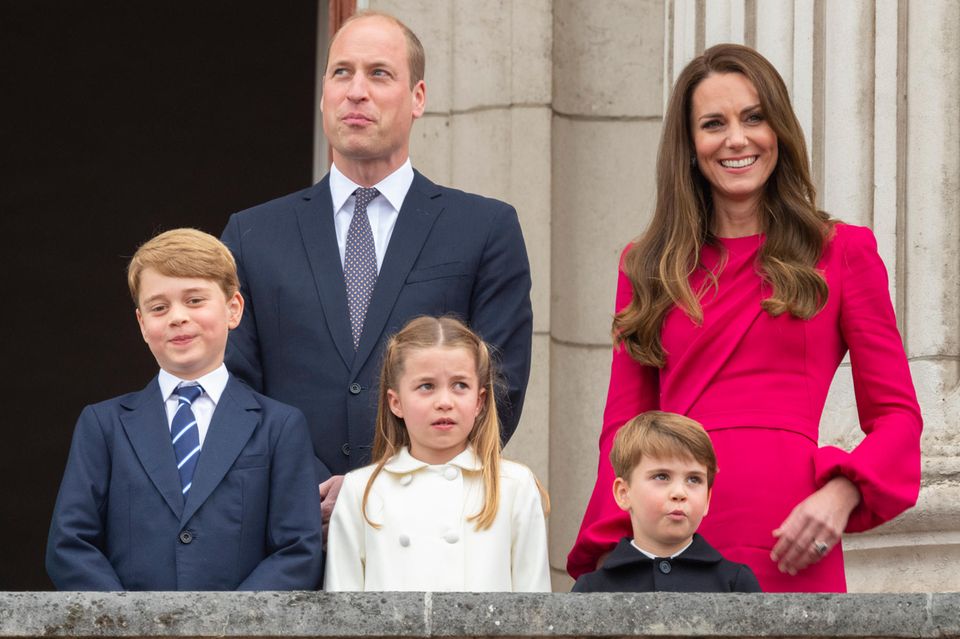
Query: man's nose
[357, 90]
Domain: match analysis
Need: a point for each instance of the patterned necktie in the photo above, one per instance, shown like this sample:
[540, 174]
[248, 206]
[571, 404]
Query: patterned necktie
[360, 262]
[186, 434]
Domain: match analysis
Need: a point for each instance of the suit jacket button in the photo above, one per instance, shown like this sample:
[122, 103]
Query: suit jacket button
[665, 567]
[451, 472]
[406, 479]
[404, 540]
[345, 449]
[186, 537]
[355, 388]
[451, 537]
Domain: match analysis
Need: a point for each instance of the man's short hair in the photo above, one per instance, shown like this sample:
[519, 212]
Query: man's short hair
[664, 436]
[416, 57]
[184, 253]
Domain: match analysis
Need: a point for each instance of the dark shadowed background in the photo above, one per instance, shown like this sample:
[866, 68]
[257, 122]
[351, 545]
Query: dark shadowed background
[120, 119]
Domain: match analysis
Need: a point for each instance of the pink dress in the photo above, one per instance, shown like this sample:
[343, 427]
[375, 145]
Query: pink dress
[758, 385]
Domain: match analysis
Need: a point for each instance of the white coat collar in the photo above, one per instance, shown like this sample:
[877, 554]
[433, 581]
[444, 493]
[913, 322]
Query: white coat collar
[403, 462]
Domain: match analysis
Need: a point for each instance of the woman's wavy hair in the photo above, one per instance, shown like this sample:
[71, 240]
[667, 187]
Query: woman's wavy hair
[391, 432]
[661, 261]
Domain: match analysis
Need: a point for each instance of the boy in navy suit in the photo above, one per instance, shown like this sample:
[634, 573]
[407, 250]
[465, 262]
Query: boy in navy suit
[665, 467]
[195, 482]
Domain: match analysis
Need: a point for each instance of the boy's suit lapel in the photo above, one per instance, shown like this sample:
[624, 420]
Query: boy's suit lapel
[315, 217]
[234, 420]
[147, 428]
[420, 210]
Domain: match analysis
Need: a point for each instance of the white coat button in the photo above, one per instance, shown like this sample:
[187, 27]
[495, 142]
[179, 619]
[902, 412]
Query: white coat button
[406, 479]
[451, 472]
[451, 537]
[404, 540]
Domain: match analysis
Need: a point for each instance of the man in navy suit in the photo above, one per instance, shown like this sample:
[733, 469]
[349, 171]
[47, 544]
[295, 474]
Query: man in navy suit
[437, 251]
[195, 482]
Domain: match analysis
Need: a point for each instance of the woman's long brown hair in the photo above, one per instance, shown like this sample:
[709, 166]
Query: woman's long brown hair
[661, 261]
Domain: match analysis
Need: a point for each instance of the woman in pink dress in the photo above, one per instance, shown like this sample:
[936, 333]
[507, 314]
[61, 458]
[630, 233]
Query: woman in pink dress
[735, 308]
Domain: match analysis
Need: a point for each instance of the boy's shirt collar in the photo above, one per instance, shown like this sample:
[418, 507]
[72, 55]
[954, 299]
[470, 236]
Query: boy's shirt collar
[650, 555]
[625, 553]
[214, 383]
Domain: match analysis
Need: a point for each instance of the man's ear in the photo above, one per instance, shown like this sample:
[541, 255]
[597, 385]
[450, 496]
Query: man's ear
[620, 489]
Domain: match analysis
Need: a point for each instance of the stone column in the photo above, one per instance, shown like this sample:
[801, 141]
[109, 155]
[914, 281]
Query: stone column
[487, 130]
[607, 101]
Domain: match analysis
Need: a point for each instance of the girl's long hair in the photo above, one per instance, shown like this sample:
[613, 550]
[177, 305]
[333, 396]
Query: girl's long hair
[661, 261]
[391, 432]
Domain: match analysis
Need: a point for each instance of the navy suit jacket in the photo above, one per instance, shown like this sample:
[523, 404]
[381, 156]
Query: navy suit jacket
[450, 253]
[250, 521]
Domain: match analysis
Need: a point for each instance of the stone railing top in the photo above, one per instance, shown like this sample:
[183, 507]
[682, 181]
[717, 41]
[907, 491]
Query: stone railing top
[319, 614]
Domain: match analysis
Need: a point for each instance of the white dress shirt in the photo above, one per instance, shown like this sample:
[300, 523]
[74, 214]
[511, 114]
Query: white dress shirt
[425, 541]
[213, 384]
[383, 210]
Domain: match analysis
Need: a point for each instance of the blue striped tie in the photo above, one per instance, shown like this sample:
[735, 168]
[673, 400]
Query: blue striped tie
[186, 434]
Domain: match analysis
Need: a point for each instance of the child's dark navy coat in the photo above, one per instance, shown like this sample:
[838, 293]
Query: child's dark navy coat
[699, 568]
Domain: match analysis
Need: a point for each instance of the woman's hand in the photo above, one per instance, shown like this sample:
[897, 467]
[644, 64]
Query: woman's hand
[814, 526]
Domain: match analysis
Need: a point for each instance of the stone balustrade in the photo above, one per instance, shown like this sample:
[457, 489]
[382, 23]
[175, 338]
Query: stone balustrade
[320, 614]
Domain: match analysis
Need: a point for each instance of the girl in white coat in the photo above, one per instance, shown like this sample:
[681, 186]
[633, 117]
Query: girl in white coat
[439, 509]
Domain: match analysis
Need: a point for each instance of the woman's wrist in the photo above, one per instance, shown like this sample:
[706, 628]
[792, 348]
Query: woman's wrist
[845, 491]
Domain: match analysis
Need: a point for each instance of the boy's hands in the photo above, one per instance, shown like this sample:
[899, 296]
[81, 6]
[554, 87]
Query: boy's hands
[328, 499]
[814, 526]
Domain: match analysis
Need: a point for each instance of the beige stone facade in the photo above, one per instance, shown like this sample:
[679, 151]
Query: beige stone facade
[556, 106]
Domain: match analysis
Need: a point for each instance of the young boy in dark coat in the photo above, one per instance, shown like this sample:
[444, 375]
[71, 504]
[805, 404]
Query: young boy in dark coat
[665, 467]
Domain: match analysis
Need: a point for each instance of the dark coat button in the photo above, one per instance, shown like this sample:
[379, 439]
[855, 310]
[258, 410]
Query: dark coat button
[186, 537]
[665, 567]
[346, 449]
[355, 388]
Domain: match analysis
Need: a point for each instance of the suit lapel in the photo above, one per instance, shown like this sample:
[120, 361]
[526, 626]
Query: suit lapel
[315, 216]
[420, 210]
[234, 420]
[147, 429]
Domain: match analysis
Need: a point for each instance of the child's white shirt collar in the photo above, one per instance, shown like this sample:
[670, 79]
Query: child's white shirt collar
[652, 556]
[403, 462]
[213, 383]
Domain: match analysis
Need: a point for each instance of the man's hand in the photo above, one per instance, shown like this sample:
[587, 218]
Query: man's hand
[328, 499]
[814, 526]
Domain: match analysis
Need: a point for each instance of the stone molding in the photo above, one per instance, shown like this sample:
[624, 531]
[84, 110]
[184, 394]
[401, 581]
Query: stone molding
[321, 614]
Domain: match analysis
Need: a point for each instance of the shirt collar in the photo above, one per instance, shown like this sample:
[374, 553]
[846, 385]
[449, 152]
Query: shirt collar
[394, 187]
[213, 383]
[650, 555]
[625, 553]
[403, 462]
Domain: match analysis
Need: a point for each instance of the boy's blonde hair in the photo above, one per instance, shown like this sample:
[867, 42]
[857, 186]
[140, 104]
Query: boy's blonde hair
[662, 435]
[184, 253]
[391, 432]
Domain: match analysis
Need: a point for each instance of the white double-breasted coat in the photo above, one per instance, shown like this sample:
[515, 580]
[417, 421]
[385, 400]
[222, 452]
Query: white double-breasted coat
[425, 542]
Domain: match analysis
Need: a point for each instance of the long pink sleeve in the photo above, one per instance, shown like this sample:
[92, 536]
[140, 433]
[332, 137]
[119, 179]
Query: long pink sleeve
[885, 466]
